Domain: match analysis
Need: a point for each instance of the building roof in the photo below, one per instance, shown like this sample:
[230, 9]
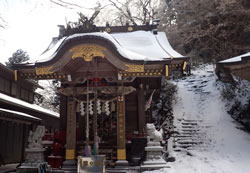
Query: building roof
[20, 114]
[137, 53]
[21, 103]
[236, 59]
[137, 45]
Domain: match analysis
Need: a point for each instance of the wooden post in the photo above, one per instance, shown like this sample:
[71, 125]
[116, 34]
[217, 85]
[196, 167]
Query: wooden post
[95, 124]
[121, 138]
[70, 163]
[63, 112]
[141, 109]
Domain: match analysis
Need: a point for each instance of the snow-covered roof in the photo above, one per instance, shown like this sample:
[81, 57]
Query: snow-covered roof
[235, 59]
[22, 103]
[20, 114]
[137, 45]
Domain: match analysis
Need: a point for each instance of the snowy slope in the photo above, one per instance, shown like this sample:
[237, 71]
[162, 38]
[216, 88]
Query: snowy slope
[226, 148]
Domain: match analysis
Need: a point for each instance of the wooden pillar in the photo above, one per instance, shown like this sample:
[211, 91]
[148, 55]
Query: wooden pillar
[141, 109]
[71, 129]
[63, 112]
[121, 138]
[95, 125]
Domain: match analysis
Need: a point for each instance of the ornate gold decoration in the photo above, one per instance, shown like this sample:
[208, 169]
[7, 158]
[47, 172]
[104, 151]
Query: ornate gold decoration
[134, 68]
[130, 28]
[87, 51]
[44, 70]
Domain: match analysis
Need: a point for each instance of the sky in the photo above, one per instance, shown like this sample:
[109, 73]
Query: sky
[31, 24]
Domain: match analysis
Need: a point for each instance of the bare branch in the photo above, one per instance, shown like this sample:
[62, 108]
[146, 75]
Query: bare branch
[62, 5]
[68, 5]
[71, 4]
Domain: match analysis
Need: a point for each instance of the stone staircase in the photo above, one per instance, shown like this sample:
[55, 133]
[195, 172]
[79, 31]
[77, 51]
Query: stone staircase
[190, 135]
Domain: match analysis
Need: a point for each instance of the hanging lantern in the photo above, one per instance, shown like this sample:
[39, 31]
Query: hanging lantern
[82, 109]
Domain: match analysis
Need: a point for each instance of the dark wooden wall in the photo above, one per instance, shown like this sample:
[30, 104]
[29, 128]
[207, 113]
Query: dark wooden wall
[21, 89]
[131, 113]
[13, 136]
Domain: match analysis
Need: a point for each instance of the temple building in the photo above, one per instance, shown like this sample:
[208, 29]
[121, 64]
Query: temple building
[18, 115]
[106, 77]
[238, 66]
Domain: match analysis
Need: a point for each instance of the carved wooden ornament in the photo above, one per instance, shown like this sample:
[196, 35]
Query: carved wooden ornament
[87, 51]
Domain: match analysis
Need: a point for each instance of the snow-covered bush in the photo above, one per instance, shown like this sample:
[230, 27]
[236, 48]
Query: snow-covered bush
[162, 110]
[237, 98]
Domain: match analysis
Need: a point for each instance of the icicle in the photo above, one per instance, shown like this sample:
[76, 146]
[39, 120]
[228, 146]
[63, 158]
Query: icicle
[82, 109]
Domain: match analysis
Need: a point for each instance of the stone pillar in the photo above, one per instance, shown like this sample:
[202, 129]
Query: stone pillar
[121, 138]
[70, 157]
[141, 109]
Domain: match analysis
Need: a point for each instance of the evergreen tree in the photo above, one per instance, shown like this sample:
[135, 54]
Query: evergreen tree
[210, 30]
[17, 57]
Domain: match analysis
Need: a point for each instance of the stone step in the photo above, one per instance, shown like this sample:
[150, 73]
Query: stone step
[187, 136]
[189, 123]
[189, 126]
[188, 139]
[189, 142]
[190, 146]
[190, 130]
[192, 134]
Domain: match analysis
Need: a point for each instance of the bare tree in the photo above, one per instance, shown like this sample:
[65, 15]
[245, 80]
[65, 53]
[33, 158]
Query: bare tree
[67, 4]
[134, 11]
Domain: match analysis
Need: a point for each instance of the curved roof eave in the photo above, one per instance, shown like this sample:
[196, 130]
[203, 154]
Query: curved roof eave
[236, 60]
[142, 47]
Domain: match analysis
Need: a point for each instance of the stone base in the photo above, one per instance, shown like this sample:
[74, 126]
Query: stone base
[155, 162]
[121, 163]
[154, 158]
[34, 157]
[69, 166]
[35, 168]
[133, 169]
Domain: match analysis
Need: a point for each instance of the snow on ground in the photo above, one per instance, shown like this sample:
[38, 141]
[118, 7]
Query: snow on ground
[226, 148]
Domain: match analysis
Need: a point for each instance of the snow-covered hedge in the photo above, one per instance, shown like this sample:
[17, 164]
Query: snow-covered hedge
[237, 98]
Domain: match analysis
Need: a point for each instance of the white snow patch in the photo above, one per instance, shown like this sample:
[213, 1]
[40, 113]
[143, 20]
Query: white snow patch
[235, 59]
[22, 103]
[228, 150]
[137, 45]
[19, 113]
